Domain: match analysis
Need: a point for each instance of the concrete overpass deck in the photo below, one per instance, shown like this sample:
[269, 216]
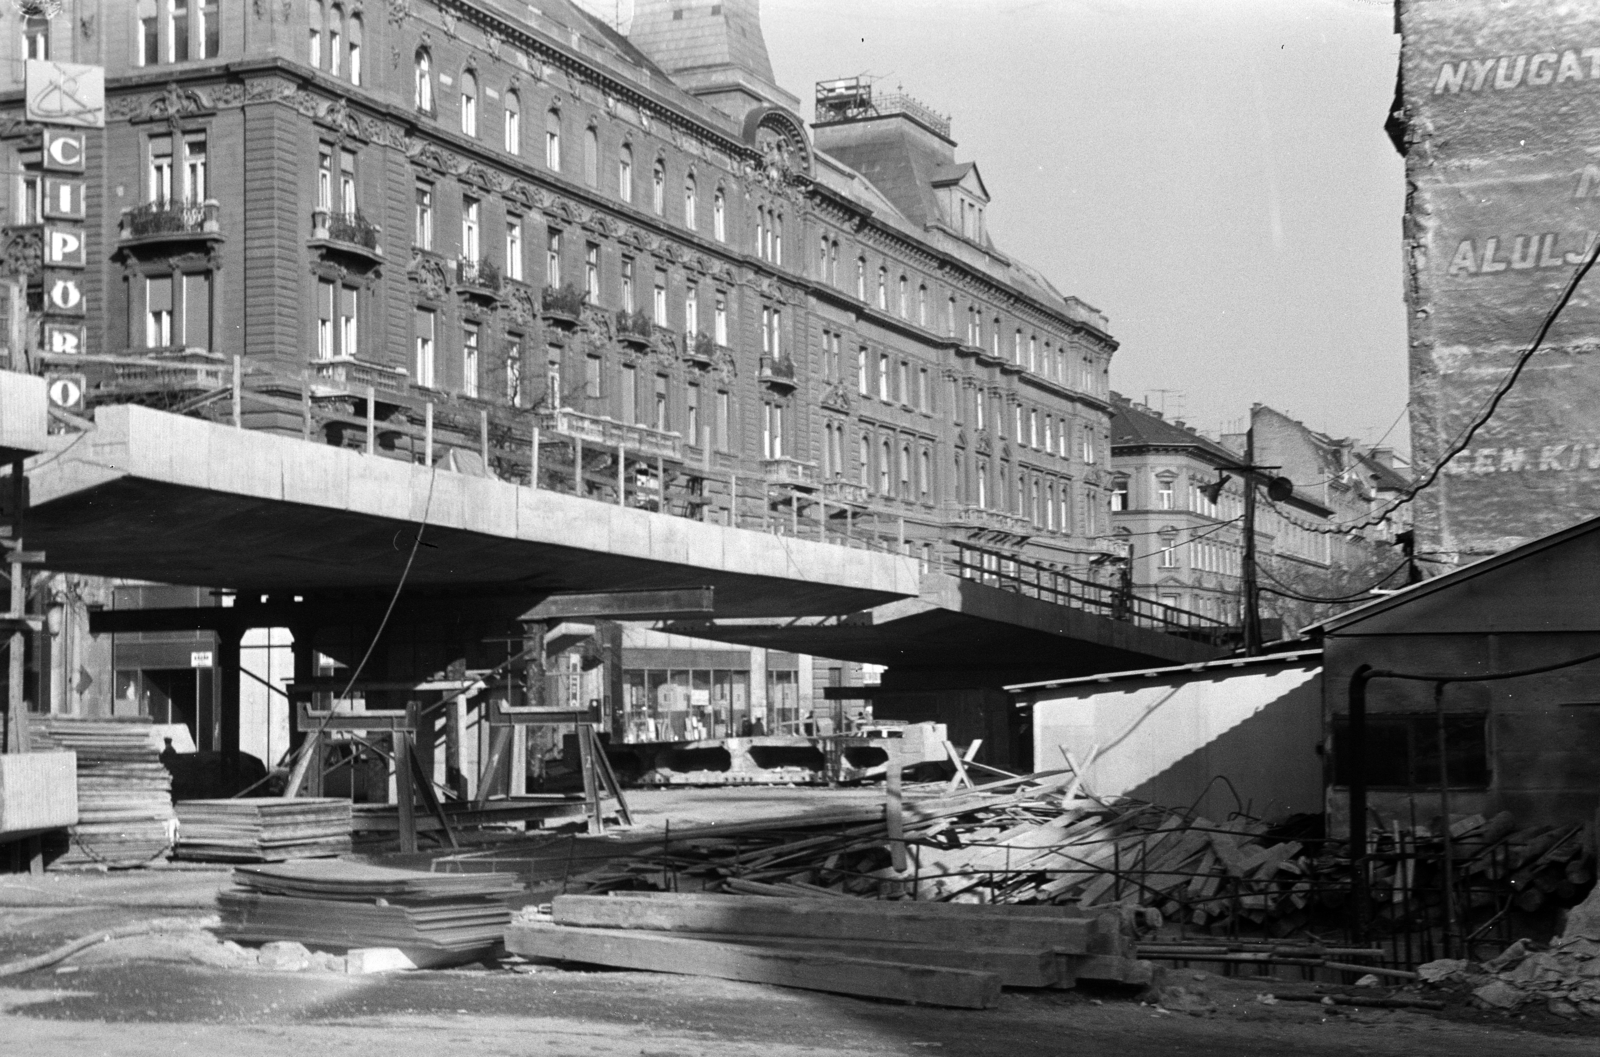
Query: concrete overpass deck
[961, 623]
[162, 497]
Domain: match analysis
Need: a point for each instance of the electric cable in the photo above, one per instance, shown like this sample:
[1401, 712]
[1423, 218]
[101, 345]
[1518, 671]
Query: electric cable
[1289, 592]
[1484, 415]
[298, 771]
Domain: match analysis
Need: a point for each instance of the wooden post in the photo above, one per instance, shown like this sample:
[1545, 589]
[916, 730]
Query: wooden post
[591, 786]
[404, 789]
[622, 484]
[733, 500]
[455, 716]
[427, 434]
[893, 818]
[533, 479]
[305, 407]
[577, 466]
[794, 513]
[483, 436]
[238, 395]
[372, 420]
[489, 775]
[661, 485]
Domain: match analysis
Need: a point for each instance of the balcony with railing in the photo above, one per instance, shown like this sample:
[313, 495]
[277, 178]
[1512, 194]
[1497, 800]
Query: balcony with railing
[563, 305]
[850, 493]
[784, 470]
[352, 375]
[699, 350]
[977, 517]
[777, 372]
[634, 328]
[348, 232]
[609, 433]
[171, 220]
[478, 276]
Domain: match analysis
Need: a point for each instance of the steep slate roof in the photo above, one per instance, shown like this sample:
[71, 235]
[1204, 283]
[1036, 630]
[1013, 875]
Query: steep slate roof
[900, 163]
[1131, 427]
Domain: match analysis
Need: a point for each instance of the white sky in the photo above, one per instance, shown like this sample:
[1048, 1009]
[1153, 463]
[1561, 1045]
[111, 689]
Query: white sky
[1213, 174]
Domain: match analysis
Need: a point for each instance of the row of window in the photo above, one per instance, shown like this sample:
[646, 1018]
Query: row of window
[172, 31]
[335, 44]
[769, 222]
[1057, 362]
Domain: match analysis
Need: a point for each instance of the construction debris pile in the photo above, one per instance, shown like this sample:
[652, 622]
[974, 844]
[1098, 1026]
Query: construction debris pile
[1564, 975]
[946, 954]
[435, 919]
[262, 829]
[1029, 840]
[125, 815]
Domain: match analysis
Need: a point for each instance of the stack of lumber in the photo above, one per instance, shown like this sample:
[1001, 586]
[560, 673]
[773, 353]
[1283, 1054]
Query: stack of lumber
[947, 954]
[330, 904]
[262, 829]
[125, 813]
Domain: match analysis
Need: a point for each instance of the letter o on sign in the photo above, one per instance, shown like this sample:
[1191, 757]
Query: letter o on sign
[67, 392]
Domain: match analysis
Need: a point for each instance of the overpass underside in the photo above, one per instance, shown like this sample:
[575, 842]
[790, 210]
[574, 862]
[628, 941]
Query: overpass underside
[319, 539]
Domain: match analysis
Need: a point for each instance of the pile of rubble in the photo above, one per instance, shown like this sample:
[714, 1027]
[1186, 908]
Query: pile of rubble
[1563, 975]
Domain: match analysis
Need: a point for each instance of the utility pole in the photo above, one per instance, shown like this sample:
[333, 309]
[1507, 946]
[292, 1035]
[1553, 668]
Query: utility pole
[1252, 611]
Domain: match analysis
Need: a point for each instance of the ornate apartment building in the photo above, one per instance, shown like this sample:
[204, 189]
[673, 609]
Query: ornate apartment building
[538, 248]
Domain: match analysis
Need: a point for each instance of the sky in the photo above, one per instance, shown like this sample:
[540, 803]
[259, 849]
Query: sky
[1212, 174]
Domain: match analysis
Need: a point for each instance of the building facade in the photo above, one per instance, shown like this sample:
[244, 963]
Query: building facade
[1184, 536]
[517, 240]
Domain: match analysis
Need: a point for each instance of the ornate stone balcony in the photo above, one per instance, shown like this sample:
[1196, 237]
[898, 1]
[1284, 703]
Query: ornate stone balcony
[850, 492]
[777, 372]
[171, 220]
[992, 520]
[609, 433]
[562, 305]
[348, 233]
[790, 471]
[353, 375]
[479, 277]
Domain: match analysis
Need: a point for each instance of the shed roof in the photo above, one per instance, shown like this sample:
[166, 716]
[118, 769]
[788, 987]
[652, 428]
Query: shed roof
[1550, 584]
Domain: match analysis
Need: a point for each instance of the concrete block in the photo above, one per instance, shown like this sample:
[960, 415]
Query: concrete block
[362, 960]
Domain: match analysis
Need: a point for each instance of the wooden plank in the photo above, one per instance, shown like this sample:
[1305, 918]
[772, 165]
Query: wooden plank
[1016, 966]
[624, 604]
[822, 918]
[811, 971]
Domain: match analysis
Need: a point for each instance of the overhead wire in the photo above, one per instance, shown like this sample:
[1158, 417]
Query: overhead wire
[1485, 413]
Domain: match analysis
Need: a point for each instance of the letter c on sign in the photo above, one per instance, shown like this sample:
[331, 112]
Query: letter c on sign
[66, 151]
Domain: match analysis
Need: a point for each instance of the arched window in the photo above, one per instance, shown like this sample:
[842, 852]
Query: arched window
[1050, 507]
[625, 173]
[833, 262]
[861, 278]
[983, 485]
[883, 288]
[864, 462]
[777, 240]
[469, 103]
[905, 471]
[690, 204]
[950, 317]
[959, 483]
[885, 468]
[994, 337]
[356, 35]
[314, 54]
[905, 298]
[719, 216]
[922, 305]
[1016, 348]
[513, 123]
[822, 258]
[335, 37]
[591, 156]
[1035, 511]
[658, 187]
[423, 92]
[552, 139]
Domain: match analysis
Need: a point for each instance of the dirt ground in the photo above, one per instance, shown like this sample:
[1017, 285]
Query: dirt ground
[182, 991]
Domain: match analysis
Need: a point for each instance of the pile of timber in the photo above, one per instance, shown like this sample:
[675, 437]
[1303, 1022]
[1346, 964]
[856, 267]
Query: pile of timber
[1031, 840]
[331, 904]
[125, 813]
[945, 954]
[262, 829]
